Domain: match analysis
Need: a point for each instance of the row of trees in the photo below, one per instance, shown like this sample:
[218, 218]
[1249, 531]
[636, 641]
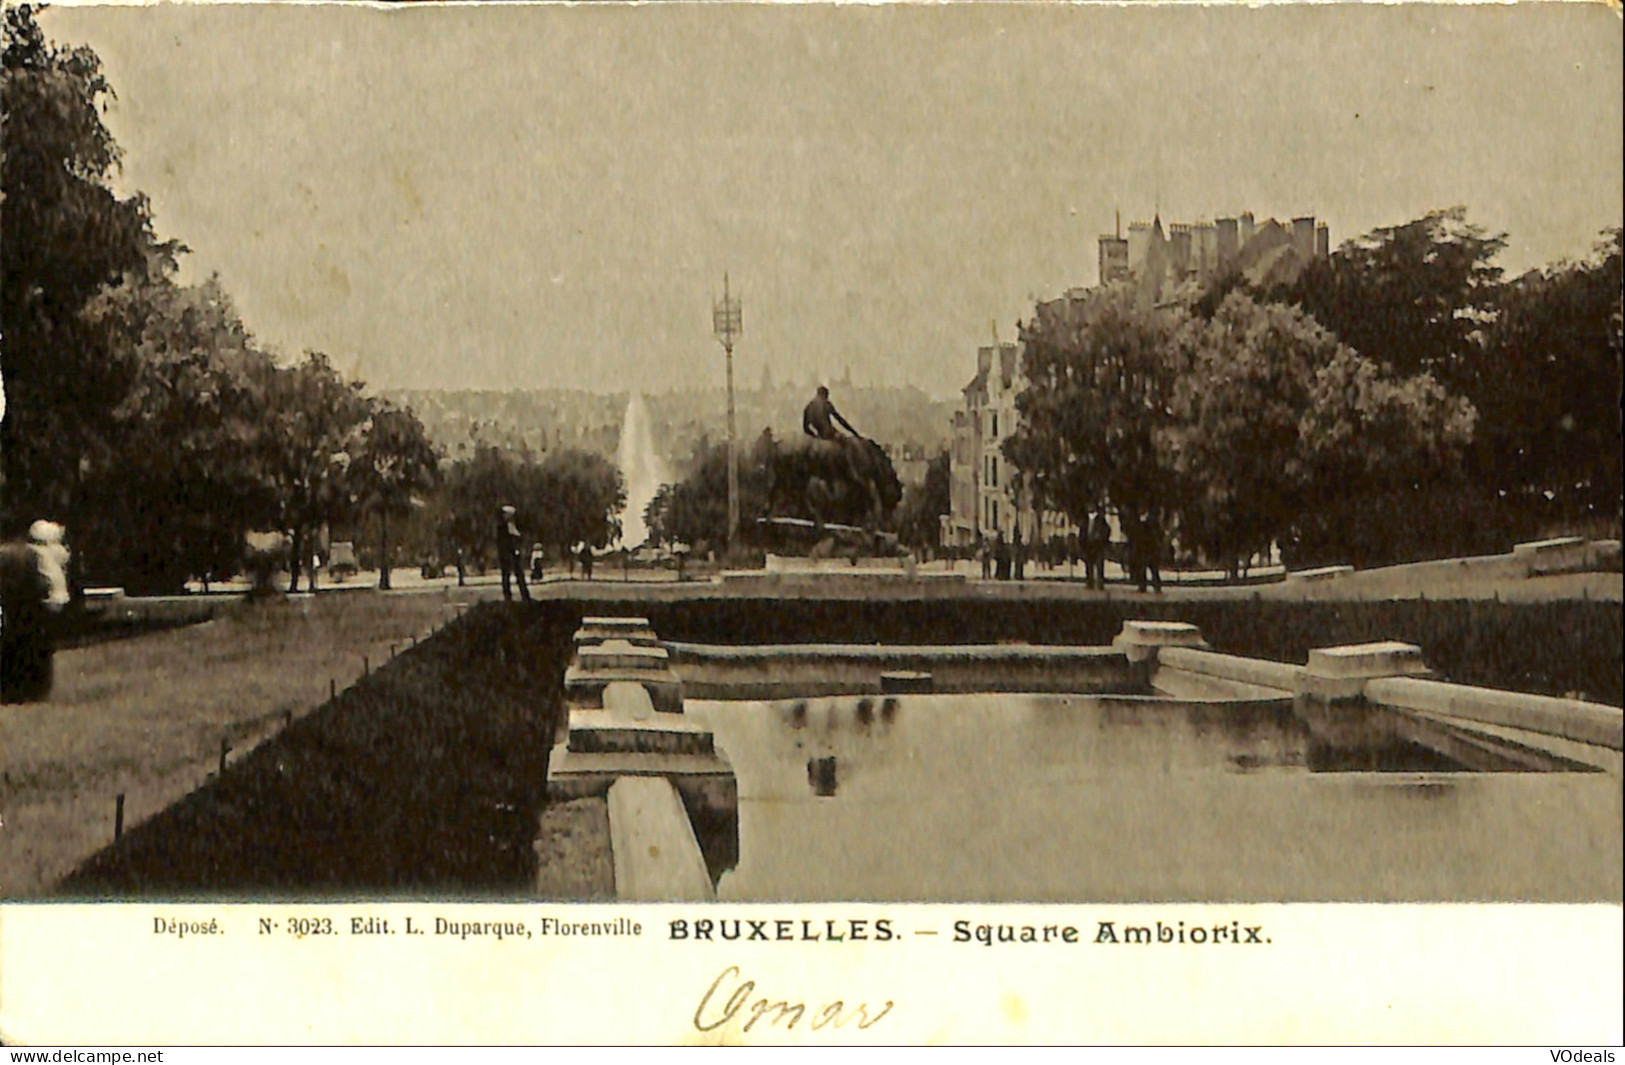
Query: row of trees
[142, 414]
[566, 498]
[1398, 400]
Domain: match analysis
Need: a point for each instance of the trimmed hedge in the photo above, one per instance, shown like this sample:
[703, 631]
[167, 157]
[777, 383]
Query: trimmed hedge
[1543, 648]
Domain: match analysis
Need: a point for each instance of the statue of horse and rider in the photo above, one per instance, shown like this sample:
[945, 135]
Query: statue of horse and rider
[830, 477]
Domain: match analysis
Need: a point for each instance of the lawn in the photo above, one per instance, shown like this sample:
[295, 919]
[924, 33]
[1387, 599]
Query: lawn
[145, 716]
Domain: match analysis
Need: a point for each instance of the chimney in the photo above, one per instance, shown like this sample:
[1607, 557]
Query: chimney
[1323, 241]
[1229, 246]
[1113, 259]
[984, 360]
[1303, 236]
[1139, 245]
[1179, 249]
[1246, 233]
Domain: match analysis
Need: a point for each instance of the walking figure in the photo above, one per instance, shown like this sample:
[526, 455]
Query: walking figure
[1096, 540]
[1145, 552]
[513, 568]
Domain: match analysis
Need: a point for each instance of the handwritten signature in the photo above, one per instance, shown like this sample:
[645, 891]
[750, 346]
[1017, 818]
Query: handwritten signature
[713, 1011]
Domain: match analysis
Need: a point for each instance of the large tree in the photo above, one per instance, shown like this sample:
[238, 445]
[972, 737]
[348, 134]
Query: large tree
[584, 493]
[66, 234]
[1100, 369]
[182, 481]
[1238, 430]
[473, 488]
[1276, 420]
[396, 465]
[1412, 297]
[1549, 388]
[315, 423]
[694, 510]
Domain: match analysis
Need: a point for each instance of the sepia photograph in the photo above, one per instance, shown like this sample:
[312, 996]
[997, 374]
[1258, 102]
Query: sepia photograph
[1034, 455]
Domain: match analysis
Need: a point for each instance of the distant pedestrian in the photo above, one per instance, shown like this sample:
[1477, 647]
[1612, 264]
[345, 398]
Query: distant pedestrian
[33, 587]
[1019, 556]
[1096, 541]
[1001, 556]
[586, 561]
[1145, 552]
[984, 556]
[508, 557]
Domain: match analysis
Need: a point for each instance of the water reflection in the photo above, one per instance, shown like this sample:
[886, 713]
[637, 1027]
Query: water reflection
[1017, 797]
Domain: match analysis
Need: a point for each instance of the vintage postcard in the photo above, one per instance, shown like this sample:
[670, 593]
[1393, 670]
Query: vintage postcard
[811, 523]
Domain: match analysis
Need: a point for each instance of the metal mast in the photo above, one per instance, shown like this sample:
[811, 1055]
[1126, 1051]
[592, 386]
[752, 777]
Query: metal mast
[727, 323]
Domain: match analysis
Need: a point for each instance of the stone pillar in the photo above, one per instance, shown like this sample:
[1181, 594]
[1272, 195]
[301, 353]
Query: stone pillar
[1338, 673]
[1140, 640]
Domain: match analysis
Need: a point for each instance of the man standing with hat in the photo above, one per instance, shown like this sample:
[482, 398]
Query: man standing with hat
[508, 554]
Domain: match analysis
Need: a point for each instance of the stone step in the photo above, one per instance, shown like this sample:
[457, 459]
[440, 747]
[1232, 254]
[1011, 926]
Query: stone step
[903, 681]
[609, 628]
[606, 732]
[585, 637]
[621, 654]
[584, 686]
[577, 774]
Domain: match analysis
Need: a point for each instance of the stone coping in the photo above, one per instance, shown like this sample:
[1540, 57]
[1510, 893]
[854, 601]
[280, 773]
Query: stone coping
[1255, 672]
[656, 855]
[1320, 573]
[594, 769]
[1190, 686]
[1556, 543]
[698, 653]
[1593, 723]
[814, 579]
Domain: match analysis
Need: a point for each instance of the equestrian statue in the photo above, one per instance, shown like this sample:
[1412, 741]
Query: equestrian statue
[829, 477]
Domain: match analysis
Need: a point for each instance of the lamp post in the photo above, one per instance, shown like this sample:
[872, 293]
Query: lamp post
[727, 323]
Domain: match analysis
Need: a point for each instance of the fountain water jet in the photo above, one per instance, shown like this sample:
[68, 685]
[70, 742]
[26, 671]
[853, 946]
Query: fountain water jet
[641, 467]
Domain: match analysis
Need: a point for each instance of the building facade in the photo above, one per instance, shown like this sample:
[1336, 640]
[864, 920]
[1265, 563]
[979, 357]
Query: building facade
[986, 493]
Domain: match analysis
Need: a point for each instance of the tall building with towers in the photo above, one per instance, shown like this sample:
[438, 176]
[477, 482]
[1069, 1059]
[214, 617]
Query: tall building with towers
[1162, 261]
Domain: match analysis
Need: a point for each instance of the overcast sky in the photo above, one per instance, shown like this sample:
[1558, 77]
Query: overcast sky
[501, 196]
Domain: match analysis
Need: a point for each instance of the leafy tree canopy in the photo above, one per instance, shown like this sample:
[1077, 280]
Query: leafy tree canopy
[1412, 297]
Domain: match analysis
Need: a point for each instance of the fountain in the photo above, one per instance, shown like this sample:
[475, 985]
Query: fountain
[641, 467]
